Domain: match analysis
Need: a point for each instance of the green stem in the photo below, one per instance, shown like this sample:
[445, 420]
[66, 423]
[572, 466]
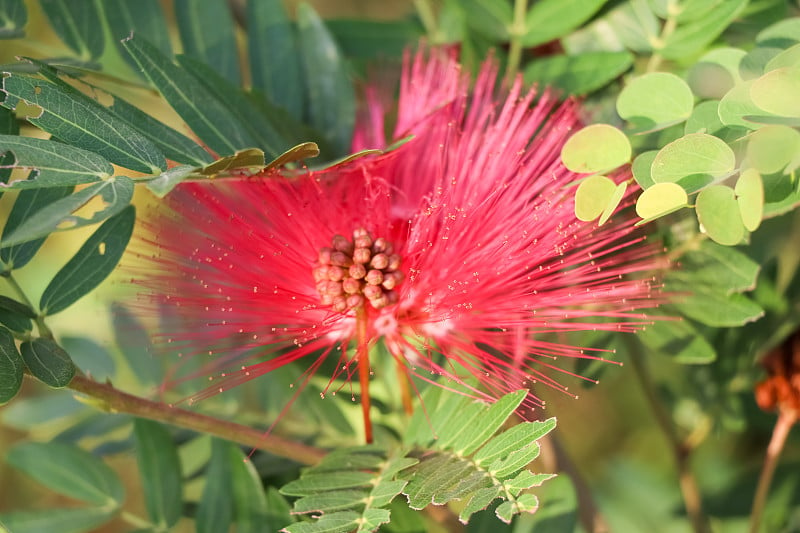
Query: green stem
[688, 484]
[136, 521]
[114, 400]
[426, 15]
[669, 27]
[516, 31]
[783, 425]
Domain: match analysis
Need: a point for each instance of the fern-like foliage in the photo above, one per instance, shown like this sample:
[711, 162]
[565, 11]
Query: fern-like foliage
[470, 462]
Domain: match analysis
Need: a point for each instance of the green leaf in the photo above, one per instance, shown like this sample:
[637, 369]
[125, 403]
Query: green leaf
[116, 195]
[714, 308]
[8, 126]
[754, 63]
[160, 471]
[69, 520]
[578, 74]
[207, 34]
[596, 148]
[377, 39]
[788, 58]
[249, 502]
[661, 199]
[25, 414]
[713, 265]
[350, 488]
[704, 119]
[208, 117]
[133, 341]
[70, 471]
[549, 19]
[694, 154]
[48, 361]
[641, 169]
[173, 144]
[593, 195]
[15, 322]
[654, 101]
[737, 105]
[274, 56]
[331, 98]
[718, 212]
[27, 205]
[77, 24]
[13, 17]
[215, 511]
[688, 39]
[782, 33]
[680, 340]
[144, 18]
[635, 24]
[78, 120]
[750, 197]
[776, 92]
[90, 357]
[93, 262]
[613, 202]
[54, 164]
[11, 367]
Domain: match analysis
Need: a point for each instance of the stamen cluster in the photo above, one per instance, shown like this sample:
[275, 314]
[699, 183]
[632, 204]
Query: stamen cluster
[348, 273]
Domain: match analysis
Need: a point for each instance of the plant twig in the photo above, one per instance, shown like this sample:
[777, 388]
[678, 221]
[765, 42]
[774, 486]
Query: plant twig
[783, 425]
[516, 31]
[688, 484]
[115, 400]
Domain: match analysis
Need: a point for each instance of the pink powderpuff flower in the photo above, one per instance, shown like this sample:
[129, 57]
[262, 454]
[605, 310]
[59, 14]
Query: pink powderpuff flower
[459, 250]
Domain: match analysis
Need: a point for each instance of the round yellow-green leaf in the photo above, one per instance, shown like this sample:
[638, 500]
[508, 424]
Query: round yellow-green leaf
[771, 148]
[788, 58]
[655, 100]
[593, 195]
[613, 202]
[696, 153]
[777, 92]
[641, 169]
[737, 104]
[596, 148]
[661, 199]
[750, 196]
[718, 212]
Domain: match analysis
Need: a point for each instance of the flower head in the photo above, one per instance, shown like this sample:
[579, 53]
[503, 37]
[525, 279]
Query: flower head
[459, 250]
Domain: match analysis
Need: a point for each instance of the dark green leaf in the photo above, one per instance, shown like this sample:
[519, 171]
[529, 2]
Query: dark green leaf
[207, 33]
[215, 511]
[172, 143]
[578, 74]
[25, 414]
[91, 264]
[693, 37]
[81, 121]
[259, 127]
[55, 164]
[15, 322]
[714, 265]
[14, 306]
[11, 367]
[71, 520]
[713, 307]
[549, 19]
[70, 471]
[143, 18]
[77, 23]
[680, 340]
[330, 92]
[160, 470]
[90, 357]
[209, 118]
[27, 205]
[134, 342]
[373, 39]
[13, 17]
[8, 126]
[249, 501]
[48, 361]
[58, 215]
[274, 57]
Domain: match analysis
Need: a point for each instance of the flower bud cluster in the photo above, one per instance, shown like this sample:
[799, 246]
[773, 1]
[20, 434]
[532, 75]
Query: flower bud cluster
[350, 273]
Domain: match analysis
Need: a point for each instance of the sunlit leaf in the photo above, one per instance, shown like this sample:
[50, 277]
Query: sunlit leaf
[48, 361]
[718, 212]
[91, 264]
[771, 148]
[593, 195]
[783, 33]
[693, 154]
[776, 92]
[737, 104]
[596, 148]
[655, 100]
[750, 197]
[661, 199]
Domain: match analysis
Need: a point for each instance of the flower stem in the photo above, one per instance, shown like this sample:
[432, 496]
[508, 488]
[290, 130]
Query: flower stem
[362, 355]
[114, 400]
[688, 484]
[515, 32]
[669, 26]
[783, 425]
